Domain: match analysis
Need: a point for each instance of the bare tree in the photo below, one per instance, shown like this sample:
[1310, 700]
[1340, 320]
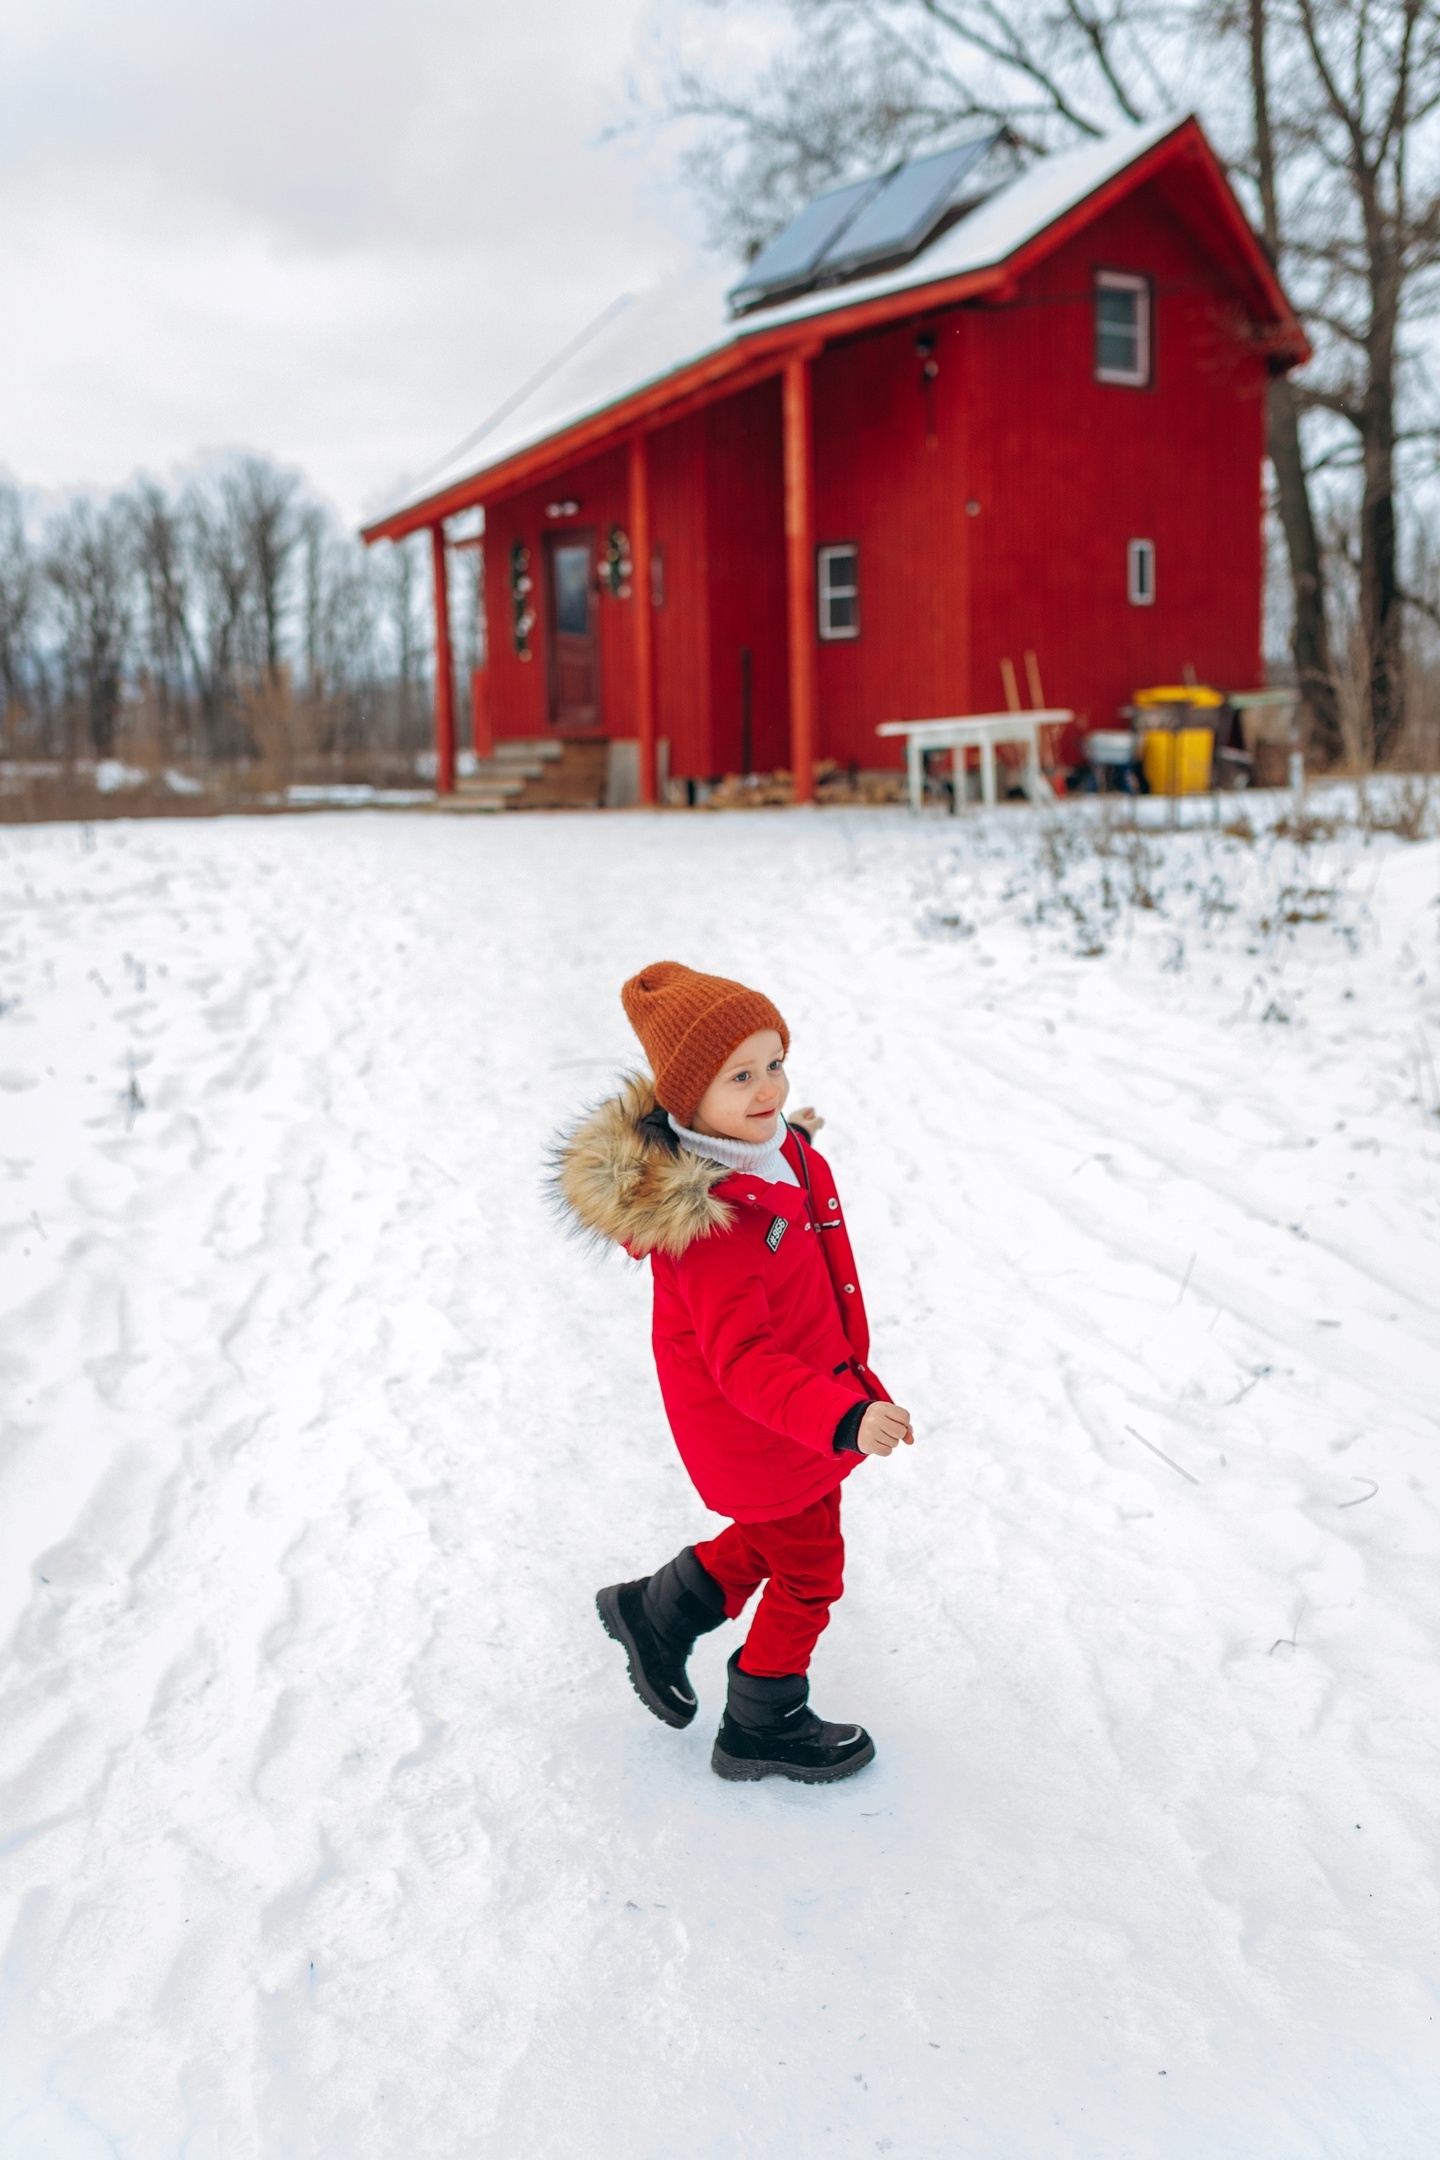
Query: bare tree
[260, 500]
[215, 620]
[312, 536]
[19, 589]
[1310, 626]
[1363, 143]
[467, 585]
[343, 607]
[88, 568]
[411, 644]
[163, 575]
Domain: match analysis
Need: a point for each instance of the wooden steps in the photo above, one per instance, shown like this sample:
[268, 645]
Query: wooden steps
[532, 775]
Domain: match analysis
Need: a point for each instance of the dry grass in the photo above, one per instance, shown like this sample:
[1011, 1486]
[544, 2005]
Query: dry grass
[43, 794]
[280, 742]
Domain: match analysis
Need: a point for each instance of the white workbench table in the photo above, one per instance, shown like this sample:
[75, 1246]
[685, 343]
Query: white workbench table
[979, 731]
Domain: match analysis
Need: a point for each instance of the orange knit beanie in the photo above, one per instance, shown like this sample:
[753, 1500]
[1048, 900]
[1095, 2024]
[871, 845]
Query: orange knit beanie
[688, 1025]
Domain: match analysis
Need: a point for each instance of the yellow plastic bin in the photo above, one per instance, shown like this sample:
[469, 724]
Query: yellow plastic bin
[1178, 748]
[1177, 760]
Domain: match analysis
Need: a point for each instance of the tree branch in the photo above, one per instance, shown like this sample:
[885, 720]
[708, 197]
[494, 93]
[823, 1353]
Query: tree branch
[1092, 31]
[1331, 401]
[1009, 52]
[1428, 608]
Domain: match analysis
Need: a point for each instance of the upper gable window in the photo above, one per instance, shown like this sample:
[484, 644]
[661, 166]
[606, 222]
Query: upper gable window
[1122, 328]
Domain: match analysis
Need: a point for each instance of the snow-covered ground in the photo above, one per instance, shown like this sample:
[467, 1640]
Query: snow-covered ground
[330, 1826]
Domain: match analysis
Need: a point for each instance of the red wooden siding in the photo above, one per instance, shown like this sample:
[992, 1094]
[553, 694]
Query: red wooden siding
[678, 513]
[1067, 470]
[746, 543]
[881, 484]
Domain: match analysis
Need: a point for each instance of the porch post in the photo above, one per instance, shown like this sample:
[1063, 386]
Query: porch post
[444, 670]
[641, 623]
[482, 735]
[800, 572]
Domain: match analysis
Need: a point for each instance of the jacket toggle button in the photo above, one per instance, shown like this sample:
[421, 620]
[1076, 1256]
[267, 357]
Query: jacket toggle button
[850, 1289]
[834, 1203]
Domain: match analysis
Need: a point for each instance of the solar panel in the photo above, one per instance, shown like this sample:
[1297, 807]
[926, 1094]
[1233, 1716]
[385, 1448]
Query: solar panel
[788, 262]
[900, 217]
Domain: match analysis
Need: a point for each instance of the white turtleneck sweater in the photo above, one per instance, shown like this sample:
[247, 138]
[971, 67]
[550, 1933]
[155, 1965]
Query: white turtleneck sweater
[766, 1161]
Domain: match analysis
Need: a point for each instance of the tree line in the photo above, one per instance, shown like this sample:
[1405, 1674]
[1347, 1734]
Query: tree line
[207, 620]
[1327, 113]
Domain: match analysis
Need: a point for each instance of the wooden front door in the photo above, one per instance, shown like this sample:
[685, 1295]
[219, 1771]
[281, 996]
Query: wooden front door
[573, 643]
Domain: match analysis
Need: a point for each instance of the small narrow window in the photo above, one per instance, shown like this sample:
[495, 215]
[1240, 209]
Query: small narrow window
[837, 591]
[1122, 328]
[1140, 572]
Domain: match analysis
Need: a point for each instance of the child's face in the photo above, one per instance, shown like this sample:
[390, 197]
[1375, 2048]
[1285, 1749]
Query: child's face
[745, 1098]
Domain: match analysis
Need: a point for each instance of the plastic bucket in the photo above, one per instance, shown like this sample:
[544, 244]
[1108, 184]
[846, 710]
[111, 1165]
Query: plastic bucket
[1110, 746]
[1177, 760]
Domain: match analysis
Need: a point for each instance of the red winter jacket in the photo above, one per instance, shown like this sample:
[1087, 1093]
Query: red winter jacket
[760, 1333]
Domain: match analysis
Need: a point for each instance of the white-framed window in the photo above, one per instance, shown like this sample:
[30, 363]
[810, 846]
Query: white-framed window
[837, 590]
[1140, 572]
[1122, 328]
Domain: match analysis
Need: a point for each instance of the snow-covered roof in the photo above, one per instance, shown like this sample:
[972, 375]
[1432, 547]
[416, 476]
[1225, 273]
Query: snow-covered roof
[646, 337]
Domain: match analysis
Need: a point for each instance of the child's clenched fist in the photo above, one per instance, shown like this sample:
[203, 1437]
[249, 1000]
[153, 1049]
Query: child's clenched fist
[883, 1427]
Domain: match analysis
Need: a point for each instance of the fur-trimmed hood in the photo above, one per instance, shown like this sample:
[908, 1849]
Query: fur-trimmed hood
[620, 1175]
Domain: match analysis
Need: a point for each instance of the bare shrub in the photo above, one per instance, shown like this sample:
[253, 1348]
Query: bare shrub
[1306, 827]
[1295, 904]
[1403, 811]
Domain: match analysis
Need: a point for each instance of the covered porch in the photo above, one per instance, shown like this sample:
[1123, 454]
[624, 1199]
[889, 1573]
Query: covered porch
[597, 550]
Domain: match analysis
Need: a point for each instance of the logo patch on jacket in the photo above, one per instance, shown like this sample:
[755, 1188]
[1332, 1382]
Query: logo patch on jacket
[776, 1231]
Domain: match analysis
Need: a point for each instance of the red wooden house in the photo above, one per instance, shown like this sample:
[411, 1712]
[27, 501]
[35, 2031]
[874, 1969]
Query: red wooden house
[957, 412]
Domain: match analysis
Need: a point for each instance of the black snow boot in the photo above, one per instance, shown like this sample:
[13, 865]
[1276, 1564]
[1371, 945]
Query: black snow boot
[656, 1622]
[769, 1730]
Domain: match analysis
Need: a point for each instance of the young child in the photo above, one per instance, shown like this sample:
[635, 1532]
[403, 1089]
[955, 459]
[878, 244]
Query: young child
[760, 1344]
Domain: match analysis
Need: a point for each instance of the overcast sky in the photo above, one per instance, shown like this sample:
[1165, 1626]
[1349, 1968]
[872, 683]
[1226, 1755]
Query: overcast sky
[336, 233]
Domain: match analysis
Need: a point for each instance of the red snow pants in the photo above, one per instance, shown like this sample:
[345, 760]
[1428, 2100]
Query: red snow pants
[800, 1559]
